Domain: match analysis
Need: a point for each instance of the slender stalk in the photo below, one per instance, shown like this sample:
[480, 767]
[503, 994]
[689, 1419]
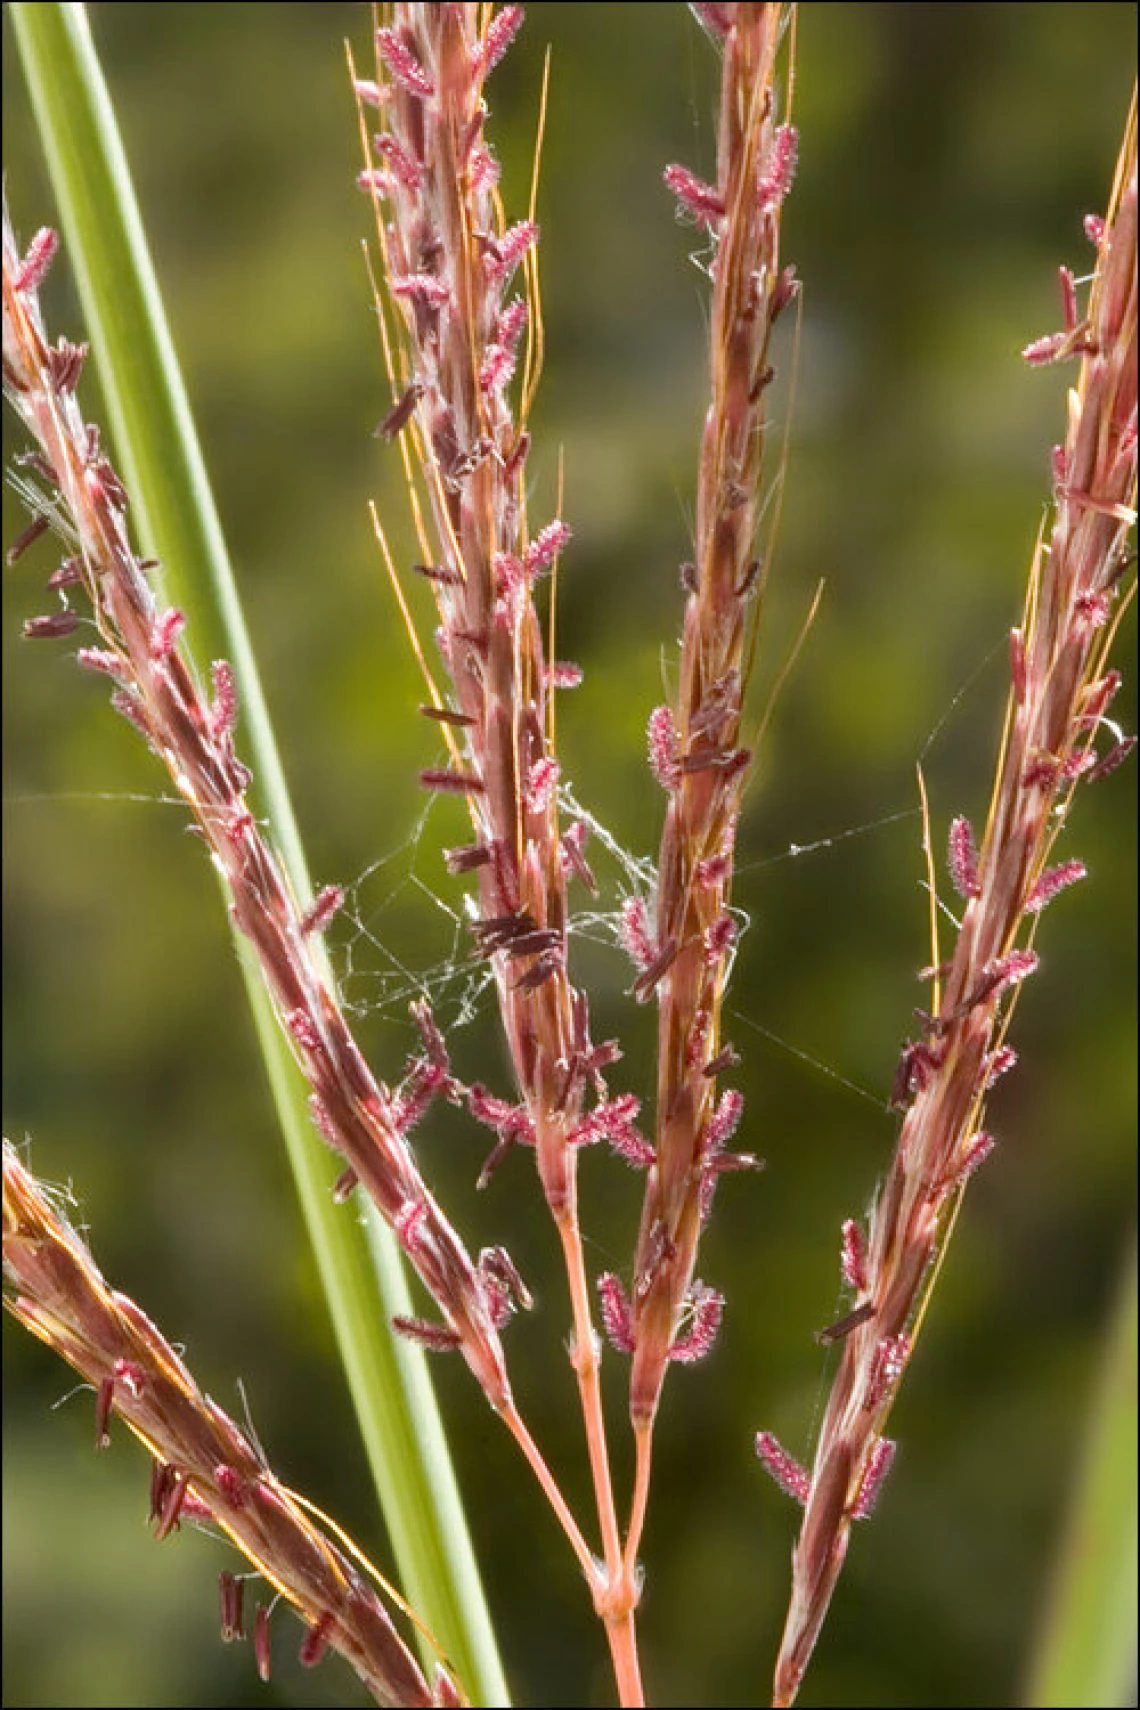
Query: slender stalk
[360, 1267]
[1061, 688]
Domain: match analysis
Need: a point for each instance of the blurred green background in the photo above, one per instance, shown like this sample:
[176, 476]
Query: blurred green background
[948, 153]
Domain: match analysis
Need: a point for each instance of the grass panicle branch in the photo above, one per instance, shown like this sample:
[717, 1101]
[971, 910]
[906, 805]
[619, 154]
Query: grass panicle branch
[695, 746]
[205, 1468]
[449, 263]
[1054, 740]
[144, 655]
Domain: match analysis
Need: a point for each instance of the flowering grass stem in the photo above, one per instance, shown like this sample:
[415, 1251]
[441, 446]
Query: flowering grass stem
[205, 1468]
[1054, 738]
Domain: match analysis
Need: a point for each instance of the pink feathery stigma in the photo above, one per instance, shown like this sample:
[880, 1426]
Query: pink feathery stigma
[30, 274]
[617, 1319]
[633, 1148]
[545, 547]
[878, 1466]
[403, 165]
[167, 629]
[588, 1130]
[962, 857]
[497, 370]
[403, 64]
[703, 201]
[541, 785]
[572, 850]
[304, 1029]
[974, 1154]
[887, 1363]
[512, 323]
[224, 707]
[408, 1224]
[420, 287]
[1093, 609]
[486, 1108]
[127, 704]
[564, 674]
[103, 660]
[1095, 229]
[1012, 969]
[781, 167]
[512, 1121]
[719, 938]
[706, 1308]
[323, 1122]
[698, 1036]
[500, 361]
[853, 1256]
[325, 905]
[501, 261]
[366, 89]
[231, 1485]
[1053, 882]
[416, 1094]
[713, 870]
[999, 1063]
[373, 181]
[787, 1471]
[725, 1120]
[484, 170]
[633, 930]
[614, 1120]
[664, 748]
[501, 32]
[508, 574]
[436, 1338]
[618, 1113]
[1115, 757]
